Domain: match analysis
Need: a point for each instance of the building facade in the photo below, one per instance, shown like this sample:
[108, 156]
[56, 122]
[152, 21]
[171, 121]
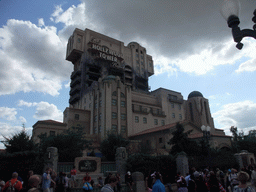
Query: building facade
[109, 92]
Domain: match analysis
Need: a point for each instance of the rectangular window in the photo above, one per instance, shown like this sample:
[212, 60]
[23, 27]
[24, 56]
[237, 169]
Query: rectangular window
[180, 116]
[172, 104]
[144, 120]
[99, 128]
[76, 116]
[122, 103]
[136, 119]
[123, 116]
[123, 129]
[84, 100]
[52, 133]
[179, 106]
[173, 115]
[95, 118]
[100, 116]
[160, 140]
[163, 122]
[114, 115]
[114, 102]
[114, 128]
[100, 103]
[156, 121]
[96, 105]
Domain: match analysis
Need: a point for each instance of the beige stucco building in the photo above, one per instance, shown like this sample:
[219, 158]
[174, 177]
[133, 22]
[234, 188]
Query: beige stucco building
[110, 94]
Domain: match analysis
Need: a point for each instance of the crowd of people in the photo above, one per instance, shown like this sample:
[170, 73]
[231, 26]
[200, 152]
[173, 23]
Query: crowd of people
[197, 180]
[216, 180]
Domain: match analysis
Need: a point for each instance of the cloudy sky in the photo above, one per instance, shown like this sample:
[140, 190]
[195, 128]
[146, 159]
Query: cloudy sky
[190, 42]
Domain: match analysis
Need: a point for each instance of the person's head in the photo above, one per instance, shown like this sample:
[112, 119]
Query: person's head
[87, 174]
[233, 171]
[113, 181]
[30, 173]
[48, 170]
[2, 183]
[74, 167]
[196, 175]
[33, 181]
[157, 175]
[243, 177]
[14, 175]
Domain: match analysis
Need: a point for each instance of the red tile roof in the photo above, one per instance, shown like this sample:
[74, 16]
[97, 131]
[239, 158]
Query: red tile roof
[155, 129]
[51, 121]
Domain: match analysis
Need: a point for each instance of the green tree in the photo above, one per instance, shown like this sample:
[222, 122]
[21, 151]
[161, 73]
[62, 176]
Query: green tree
[19, 142]
[110, 144]
[70, 144]
[180, 142]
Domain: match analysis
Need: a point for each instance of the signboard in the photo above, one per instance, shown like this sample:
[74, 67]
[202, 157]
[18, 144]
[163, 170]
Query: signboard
[87, 166]
[107, 54]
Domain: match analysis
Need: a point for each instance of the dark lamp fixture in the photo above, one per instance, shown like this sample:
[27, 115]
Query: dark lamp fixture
[230, 12]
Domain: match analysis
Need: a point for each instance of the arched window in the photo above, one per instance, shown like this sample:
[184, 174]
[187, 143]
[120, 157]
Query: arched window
[114, 93]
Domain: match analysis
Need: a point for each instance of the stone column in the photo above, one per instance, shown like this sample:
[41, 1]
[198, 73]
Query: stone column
[51, 158]
[121, 157]
[138, 179]
[182, 163]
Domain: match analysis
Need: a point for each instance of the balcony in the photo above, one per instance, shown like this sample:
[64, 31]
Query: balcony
[158, 112]
[74, 98]
[75, 74]
[75, 81]
[174, 99]
[139, 109]
[75, 89]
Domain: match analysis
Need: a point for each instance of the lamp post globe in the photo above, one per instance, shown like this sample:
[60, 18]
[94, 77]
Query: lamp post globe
[230, 12]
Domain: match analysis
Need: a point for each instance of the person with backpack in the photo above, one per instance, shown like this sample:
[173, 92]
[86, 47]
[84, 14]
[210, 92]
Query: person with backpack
[13, 185]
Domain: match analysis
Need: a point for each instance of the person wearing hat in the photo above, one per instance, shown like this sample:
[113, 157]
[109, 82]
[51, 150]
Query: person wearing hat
[243, 177]
[129, 180]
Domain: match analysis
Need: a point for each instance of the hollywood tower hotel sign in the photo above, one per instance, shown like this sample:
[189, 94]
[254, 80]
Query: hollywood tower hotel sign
[103, 52]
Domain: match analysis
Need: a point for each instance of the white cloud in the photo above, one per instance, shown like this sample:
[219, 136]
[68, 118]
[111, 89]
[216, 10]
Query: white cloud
[31, 59]
[22, 120]
[8, 130]
[191, 39]
[241, 114]
[8, 113]
[41, 22]
[45, 111]
[27, 104]
[67, 85]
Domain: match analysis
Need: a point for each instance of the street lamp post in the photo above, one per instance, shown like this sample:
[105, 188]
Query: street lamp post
[230, 12]
[206, 132]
